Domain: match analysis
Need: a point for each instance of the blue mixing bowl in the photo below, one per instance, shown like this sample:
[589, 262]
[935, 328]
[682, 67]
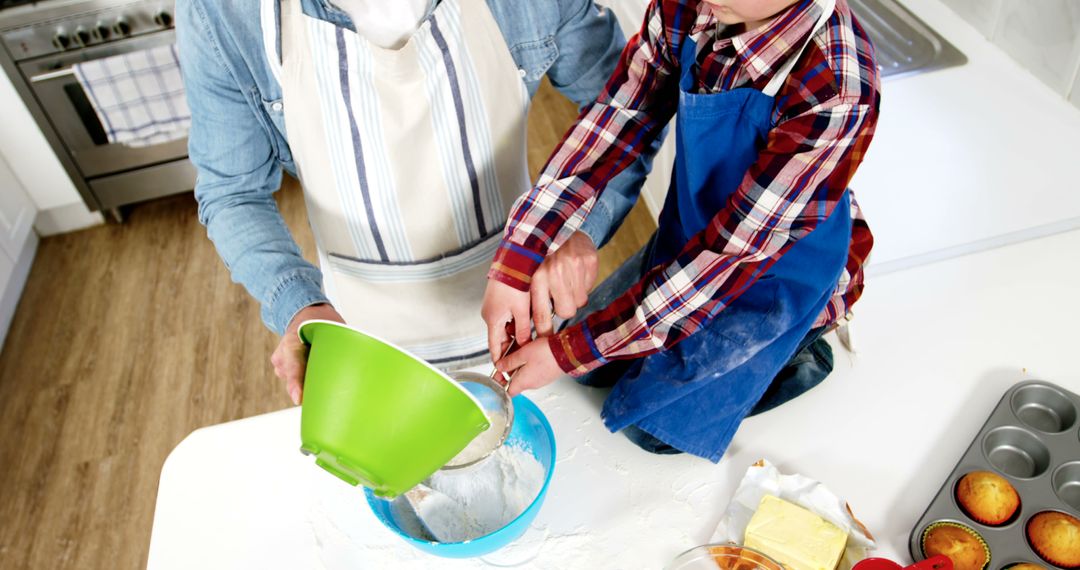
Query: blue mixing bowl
[533, 432]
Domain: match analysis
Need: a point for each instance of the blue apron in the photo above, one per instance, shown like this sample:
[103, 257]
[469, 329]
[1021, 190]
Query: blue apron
[694, 395]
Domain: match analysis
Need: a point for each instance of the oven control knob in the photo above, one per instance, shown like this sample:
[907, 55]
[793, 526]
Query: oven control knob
[121, 27]
[61, 40]
[81, 36]
[101, 31]
[163, 19]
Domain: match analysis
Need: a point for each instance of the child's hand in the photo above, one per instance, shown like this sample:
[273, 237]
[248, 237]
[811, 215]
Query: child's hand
[563, 280]
[290, 356]
[503, 306]
[534, 364]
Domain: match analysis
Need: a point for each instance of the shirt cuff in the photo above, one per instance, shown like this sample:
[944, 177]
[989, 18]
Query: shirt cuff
[290, 296]
[575, 350]
[514, 265]
[597, 224]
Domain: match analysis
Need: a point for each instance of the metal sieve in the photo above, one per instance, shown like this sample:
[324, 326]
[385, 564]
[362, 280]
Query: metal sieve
[494, 397]
[495, 400]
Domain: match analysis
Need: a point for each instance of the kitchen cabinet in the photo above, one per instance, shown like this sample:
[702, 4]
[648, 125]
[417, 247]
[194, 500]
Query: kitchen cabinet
[17, 242]
[36, 166]
[16, 212]
[7, 266]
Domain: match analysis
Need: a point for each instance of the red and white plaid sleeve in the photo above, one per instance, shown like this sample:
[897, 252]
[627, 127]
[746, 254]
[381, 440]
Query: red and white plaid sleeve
[638, 101]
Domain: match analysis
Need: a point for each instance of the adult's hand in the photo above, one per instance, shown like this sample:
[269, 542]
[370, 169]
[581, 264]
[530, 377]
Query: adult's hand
[563, 281]
[502, 305]
[290, 356]
[532, 366]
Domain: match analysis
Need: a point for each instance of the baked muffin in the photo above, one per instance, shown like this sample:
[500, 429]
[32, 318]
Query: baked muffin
[1025, 566]
[1056, 538]
[987, 497]
[962, 545]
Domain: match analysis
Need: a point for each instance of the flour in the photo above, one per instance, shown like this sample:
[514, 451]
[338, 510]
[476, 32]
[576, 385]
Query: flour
[484, 442]
[482, 498]
[610, 505]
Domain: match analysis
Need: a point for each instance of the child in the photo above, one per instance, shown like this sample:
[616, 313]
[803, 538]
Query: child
[760, 244]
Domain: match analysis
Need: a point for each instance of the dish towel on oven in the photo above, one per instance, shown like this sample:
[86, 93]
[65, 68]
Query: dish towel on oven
[138, 97]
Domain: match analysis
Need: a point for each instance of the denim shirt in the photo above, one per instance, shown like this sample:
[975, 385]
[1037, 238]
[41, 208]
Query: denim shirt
[239, 145]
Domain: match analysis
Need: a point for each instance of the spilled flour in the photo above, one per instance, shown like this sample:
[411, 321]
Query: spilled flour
[479, 499]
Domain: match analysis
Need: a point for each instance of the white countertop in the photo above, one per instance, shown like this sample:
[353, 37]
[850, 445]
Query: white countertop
[938, 346]
[968, 157]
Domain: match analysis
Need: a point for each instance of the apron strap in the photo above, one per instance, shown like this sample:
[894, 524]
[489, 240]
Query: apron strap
[290, 10]
[781, 75]
[270, 19]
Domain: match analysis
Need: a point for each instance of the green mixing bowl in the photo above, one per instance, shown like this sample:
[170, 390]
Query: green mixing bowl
[376, 415]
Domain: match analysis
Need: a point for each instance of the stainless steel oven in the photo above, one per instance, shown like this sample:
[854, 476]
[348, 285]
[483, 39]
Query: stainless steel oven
[41, 42]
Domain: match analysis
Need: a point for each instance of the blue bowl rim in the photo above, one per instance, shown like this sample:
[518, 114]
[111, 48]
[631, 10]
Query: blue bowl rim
[530, 407]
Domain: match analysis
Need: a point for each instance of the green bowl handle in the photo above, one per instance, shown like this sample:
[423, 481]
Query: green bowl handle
[330, 467]
[341, 468]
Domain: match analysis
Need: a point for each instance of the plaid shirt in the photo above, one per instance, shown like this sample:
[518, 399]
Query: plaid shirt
[825, 115]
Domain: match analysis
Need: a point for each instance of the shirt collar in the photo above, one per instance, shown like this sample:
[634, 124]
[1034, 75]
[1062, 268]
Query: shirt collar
[763, 50]
[326, 11]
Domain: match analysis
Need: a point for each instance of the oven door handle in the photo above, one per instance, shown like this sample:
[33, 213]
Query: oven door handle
[53, 75]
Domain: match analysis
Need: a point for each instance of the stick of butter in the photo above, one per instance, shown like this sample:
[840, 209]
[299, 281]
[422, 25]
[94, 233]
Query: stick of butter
[794, 536]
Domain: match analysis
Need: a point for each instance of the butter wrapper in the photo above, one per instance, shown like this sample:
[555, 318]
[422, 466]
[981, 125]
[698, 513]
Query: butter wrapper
[763, 478]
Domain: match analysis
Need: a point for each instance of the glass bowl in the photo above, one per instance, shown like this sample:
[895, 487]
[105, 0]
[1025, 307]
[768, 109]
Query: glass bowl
[723, 557]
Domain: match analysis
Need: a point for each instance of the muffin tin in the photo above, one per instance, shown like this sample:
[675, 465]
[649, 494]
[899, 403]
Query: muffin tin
[1032, 439]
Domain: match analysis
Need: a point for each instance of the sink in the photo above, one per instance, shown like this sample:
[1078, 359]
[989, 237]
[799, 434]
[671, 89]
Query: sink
[904, 44]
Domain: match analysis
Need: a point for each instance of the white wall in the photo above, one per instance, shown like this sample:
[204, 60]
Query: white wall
[36, 167]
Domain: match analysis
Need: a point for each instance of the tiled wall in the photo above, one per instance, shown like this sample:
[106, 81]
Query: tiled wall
[1043, 35]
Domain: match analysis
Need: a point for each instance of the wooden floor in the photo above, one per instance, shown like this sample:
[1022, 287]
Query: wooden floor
[127, 338]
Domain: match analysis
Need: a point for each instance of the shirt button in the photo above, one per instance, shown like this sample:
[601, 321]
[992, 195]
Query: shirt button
[277, 106]
[521, 73]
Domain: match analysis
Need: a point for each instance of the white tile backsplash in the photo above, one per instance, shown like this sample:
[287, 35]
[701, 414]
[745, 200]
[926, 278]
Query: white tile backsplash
[979, 13]
[1044, 36]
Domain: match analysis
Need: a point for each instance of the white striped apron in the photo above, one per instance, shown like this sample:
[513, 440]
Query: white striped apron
[410, 160]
